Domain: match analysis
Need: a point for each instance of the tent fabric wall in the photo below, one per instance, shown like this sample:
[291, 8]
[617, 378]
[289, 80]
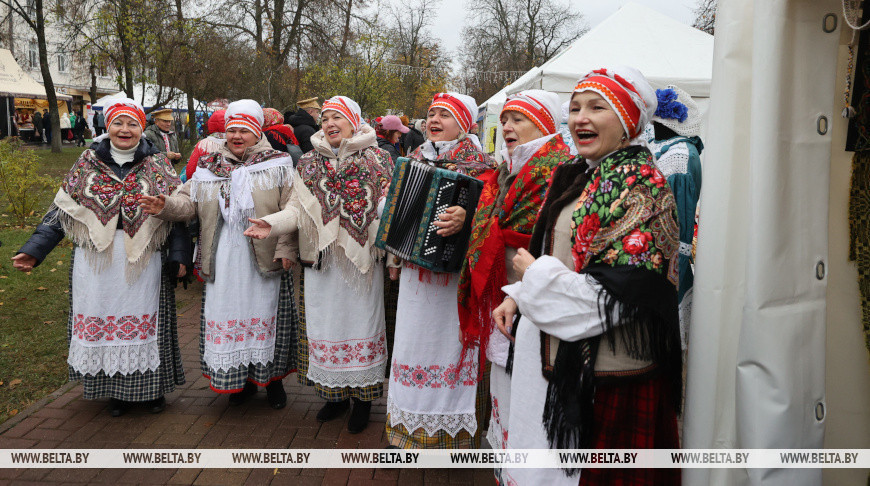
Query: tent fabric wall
[757, 340]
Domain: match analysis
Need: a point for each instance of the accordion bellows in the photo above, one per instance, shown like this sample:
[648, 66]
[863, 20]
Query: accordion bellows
[419, 194]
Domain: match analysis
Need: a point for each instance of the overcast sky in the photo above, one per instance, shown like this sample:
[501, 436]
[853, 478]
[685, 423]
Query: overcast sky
[451, 15]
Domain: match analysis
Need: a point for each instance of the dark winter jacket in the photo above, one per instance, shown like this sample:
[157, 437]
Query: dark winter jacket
[49, 233]
[385, 144]
[412, 140]
[304, 127]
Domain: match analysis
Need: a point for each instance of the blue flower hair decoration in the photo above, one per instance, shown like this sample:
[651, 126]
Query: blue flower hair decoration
[669, 107]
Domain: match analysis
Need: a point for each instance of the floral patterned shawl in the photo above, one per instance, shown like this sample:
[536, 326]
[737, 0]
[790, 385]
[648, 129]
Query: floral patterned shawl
[92, 199]
[625, 236]
[340, 195]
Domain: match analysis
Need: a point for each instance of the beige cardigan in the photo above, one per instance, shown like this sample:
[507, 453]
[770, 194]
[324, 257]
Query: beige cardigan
[267, 252]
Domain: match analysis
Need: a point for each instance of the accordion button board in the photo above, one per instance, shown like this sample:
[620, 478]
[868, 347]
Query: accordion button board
[419, 194]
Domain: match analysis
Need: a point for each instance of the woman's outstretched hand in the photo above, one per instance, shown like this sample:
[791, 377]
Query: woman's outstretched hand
[152, 204]
[23, 262]
[259, 229]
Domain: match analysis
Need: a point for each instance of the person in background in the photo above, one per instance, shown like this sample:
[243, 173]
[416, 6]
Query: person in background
[304, 122]
[676, 146]
[123, 340]
[162, 135]
[79, 128]
[210, 144]
[389, 133]
[99, 123]
[65, 127]
[413, 138]
[280, 136]
[46, 125]
[37, 125]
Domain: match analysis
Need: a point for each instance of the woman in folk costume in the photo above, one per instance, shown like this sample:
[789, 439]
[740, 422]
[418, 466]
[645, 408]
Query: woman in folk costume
[597, 360]
[210, 144]
[123, 342]
[676, 146]
[335, 209]
[506, 213]
[247, 320]
[432, 395]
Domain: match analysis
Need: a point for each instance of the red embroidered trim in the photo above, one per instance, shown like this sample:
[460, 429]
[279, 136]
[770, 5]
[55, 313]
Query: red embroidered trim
[126, 328]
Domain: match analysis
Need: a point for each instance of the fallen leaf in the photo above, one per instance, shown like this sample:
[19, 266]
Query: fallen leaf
[27, 273]
[1, 383]
[66, 291]
[53, 270]
[48, 322]
[41, 288]
[3, 276]
[2, 290]
[13, 412]
[16, 381]
[60, 262]
[275, 472]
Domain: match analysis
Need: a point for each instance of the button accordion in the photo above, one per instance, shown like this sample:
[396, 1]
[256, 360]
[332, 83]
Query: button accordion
[419, 194]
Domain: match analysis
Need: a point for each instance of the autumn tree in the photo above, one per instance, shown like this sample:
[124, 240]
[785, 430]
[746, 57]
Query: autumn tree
[514, 35]
[33, 14]
[705, 15]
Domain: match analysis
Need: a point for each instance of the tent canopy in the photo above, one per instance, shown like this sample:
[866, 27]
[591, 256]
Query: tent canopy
[17, 83]
[147, 95]
[665, 50]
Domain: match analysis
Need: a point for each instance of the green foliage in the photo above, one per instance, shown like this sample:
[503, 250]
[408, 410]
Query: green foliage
[34, 307]
[22, 182]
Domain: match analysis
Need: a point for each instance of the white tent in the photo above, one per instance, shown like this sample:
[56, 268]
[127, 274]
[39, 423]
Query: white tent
[148, 95]
[665, 50]
[17, 83]
[776, 355]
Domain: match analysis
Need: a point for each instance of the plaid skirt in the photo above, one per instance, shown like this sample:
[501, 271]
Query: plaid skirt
[139, 386]
[283, 361]
[419, 439]
[365, 393]
[634, 415]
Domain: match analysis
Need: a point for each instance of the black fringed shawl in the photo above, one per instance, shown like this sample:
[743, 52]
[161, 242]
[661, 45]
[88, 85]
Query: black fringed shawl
[626, 238]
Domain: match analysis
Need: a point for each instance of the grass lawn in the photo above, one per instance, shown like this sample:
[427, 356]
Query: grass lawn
[33, 307]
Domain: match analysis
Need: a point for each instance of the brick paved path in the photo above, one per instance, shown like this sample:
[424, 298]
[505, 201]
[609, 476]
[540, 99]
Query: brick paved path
[195, 416]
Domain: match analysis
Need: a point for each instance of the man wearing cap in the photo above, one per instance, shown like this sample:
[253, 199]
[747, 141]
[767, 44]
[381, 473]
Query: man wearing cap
[161, 135]
[304, 122]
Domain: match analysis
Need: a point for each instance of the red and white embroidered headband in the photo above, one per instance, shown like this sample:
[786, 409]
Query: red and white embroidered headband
[243, 120]
[456, 107]
[337, 103]
[125, 109]
[534, 110]
[622, 96]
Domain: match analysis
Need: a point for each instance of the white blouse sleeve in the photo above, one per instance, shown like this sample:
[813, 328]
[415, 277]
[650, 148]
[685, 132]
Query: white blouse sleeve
[560, 301]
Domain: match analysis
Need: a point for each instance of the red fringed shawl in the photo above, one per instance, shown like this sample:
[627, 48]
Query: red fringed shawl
[496, 227]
